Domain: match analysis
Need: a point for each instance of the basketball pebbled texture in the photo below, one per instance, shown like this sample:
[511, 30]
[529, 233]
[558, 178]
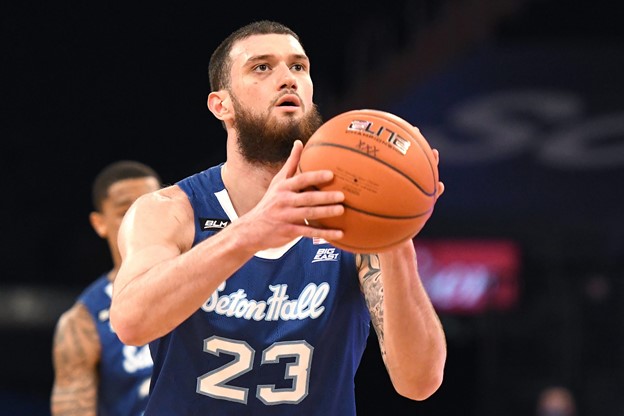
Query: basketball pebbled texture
[387, 172]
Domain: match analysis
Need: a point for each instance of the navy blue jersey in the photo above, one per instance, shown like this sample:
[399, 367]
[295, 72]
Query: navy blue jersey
[124, 371]
[283, 336]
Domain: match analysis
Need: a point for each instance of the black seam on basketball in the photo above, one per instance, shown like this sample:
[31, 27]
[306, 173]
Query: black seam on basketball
[374, 214]
[380, 161]
[435, 184]
[389, 217]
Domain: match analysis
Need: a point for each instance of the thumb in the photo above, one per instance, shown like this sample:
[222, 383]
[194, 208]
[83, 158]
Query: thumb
[290, 167]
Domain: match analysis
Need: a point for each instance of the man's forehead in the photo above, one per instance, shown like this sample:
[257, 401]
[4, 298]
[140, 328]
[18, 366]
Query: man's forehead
[270, 44]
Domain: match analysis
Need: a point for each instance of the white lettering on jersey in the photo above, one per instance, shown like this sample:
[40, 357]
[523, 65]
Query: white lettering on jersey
[277, 307]
[136, 358]
[326, 254]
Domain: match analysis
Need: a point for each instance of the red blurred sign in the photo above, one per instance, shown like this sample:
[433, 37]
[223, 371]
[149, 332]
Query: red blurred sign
[469, 276]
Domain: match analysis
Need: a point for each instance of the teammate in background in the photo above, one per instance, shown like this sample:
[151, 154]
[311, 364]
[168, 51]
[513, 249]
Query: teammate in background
[95, 374]
[224, 278]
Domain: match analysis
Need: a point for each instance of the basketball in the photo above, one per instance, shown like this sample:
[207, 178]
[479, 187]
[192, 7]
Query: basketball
[387, 172]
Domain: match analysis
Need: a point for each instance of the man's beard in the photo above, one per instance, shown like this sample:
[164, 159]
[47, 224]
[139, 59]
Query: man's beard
[265, 143]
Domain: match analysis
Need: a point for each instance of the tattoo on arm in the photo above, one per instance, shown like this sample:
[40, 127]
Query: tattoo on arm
[372, 287]
[76, 352]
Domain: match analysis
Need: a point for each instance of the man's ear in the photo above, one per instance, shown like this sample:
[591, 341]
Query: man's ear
[98, 224]
[219, 104]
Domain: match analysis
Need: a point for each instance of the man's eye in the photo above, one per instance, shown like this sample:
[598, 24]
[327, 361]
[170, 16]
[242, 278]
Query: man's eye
[262, 67]
[298, 67]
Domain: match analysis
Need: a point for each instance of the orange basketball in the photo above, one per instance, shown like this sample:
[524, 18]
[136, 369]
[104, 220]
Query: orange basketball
[387, 172]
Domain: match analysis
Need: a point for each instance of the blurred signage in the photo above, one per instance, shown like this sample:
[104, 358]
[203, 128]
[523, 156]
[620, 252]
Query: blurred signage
[536, 128]
[470, 276]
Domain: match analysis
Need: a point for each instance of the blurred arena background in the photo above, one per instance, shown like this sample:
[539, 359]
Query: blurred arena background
[523, 256]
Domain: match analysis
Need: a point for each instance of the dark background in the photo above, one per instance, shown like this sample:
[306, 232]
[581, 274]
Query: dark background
[88, 83]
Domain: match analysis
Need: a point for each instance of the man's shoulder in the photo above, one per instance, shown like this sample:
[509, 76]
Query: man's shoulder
[77, 316]
[169, 198]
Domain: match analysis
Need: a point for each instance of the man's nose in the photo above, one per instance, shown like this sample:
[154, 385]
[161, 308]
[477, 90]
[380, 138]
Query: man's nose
[287, 78]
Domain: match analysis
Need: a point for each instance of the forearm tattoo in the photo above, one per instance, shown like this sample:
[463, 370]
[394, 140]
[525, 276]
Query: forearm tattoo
[370, 280]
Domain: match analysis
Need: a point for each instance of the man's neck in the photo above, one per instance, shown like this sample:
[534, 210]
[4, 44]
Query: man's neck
[246, 183]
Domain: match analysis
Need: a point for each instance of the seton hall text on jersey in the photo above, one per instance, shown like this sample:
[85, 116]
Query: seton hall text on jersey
[278, 306]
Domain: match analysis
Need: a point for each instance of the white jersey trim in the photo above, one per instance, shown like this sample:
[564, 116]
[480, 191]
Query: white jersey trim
[270, 254]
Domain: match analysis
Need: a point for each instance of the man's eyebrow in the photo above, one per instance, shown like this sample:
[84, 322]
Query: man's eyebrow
[256, 58]
[124, 201]
[301, 57]
[264, 57]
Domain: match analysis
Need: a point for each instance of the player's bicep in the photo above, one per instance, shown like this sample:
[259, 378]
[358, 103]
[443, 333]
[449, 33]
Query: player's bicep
[152, 221]
[76, 354]
[76, 342]
[155, 229]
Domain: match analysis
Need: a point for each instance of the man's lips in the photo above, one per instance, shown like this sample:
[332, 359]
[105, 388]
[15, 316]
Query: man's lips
[288, 100]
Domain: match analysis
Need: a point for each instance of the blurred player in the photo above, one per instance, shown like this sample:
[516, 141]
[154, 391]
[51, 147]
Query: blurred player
[95, 374]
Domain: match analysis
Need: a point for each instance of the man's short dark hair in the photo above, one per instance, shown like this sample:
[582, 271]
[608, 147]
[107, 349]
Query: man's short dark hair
[115, 172]
[220, 65]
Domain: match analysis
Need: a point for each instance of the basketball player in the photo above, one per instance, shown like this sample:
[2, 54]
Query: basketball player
[245, 311]
[94, 372]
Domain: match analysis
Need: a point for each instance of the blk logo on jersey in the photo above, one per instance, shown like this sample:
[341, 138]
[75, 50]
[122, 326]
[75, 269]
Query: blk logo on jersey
[213, 224]
[326, 254]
